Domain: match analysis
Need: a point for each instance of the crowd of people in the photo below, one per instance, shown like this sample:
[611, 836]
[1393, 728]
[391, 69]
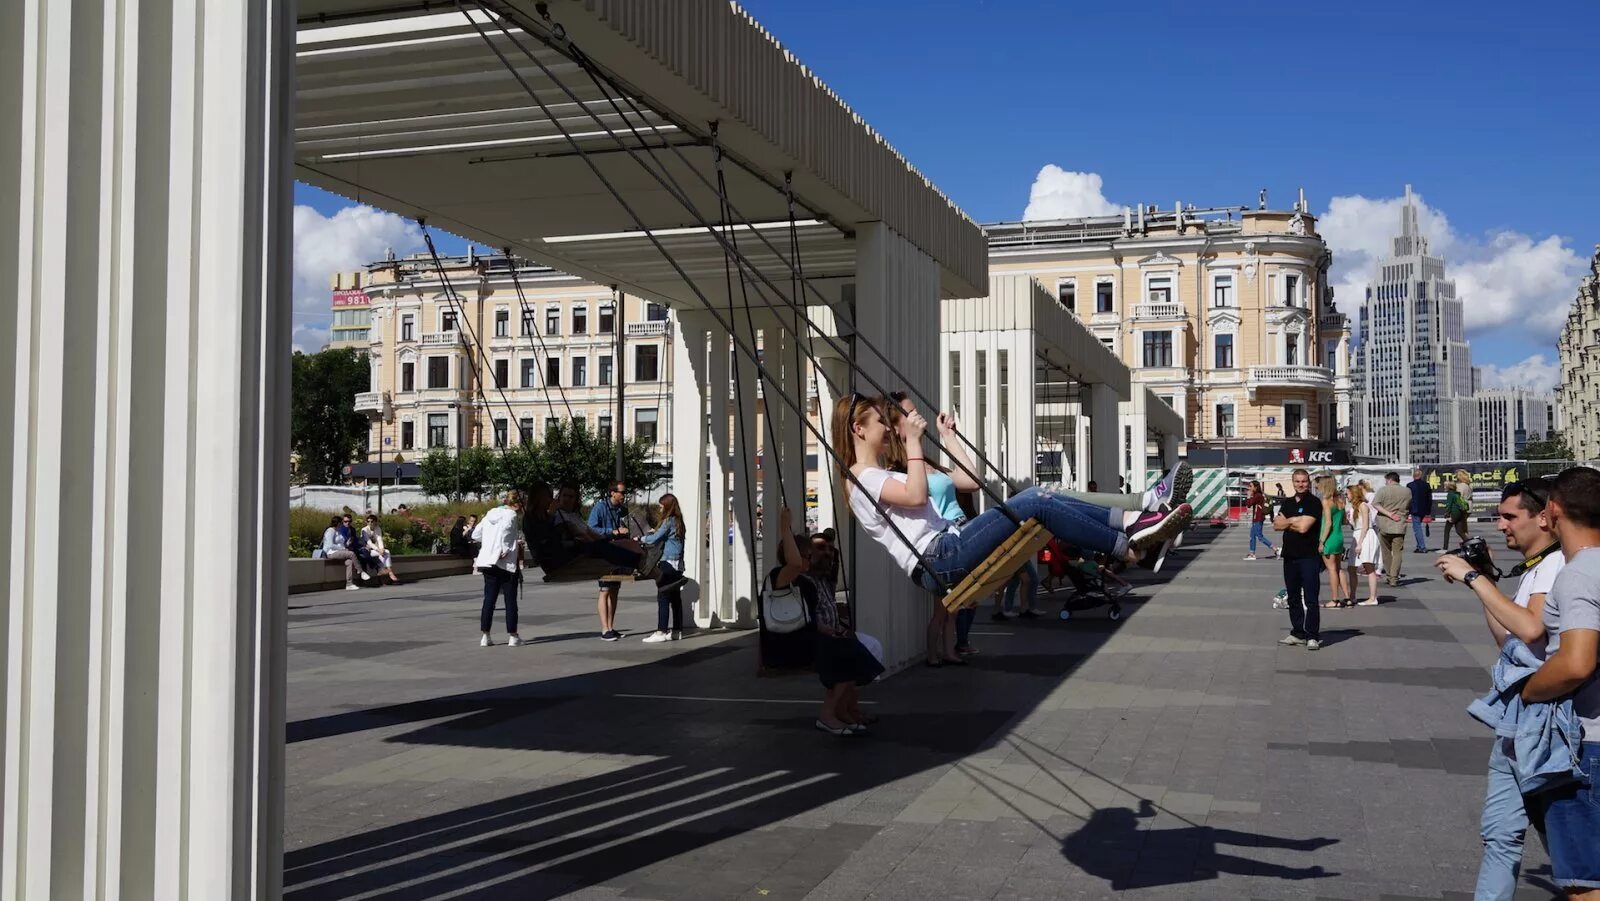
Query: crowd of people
[363, 552]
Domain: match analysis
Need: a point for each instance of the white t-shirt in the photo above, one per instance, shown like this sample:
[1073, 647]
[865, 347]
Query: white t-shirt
[1539, 579]
[918, 524]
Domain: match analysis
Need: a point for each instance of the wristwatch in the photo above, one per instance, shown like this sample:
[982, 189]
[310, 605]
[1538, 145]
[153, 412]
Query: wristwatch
[1470, 577]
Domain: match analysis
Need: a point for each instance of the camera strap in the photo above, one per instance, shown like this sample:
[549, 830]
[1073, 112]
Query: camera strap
[1535, 560]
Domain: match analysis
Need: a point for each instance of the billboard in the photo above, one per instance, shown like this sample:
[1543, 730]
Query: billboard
[350, 298]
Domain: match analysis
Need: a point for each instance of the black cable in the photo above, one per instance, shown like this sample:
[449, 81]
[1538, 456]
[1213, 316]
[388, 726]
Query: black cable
[473, 342]
[533, 328]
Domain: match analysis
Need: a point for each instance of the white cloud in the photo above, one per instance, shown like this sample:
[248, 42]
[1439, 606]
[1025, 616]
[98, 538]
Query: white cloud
[1506, 279]
[1537, 372]
[344, 242]
[1060, 194]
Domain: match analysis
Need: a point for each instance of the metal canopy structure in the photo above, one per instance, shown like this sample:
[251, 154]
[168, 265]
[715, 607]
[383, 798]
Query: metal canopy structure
[412, 108]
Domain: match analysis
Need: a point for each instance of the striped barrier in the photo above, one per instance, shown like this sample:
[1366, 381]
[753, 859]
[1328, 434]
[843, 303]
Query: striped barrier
[1207, 495]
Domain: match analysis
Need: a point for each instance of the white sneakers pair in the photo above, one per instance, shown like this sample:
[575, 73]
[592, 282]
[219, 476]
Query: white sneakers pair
[512, 641]
[656, 637]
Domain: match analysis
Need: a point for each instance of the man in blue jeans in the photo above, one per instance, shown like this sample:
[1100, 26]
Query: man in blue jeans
[1568, 818]
[1299, 518]
[1421, 505]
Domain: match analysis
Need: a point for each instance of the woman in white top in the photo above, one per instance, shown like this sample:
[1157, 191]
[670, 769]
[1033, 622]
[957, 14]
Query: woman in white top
[500, 554]
[377, 551]
[1361, 515]
[939, 558]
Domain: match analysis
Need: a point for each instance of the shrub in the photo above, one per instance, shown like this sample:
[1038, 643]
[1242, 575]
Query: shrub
[413, 533]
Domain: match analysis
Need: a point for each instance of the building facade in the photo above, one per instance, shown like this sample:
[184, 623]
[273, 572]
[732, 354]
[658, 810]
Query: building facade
[1509, 418]
[1413, 364]
[509, 355]
[1579, 349]
[1224, 313]
[352, 313]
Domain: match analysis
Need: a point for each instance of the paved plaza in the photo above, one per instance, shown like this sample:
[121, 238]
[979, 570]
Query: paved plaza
[1177, 753]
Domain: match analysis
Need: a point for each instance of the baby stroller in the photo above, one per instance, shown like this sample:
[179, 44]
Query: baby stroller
[1090, 588]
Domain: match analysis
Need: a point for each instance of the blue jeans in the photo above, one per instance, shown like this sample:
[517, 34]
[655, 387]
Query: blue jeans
[1256, 534]
[671, 600]
[1076, 523]
[1029, 572]
[1505, 822]
[1417, 531]
[498, 583]
[1568, 819]
[964, 618]
[1302, 576]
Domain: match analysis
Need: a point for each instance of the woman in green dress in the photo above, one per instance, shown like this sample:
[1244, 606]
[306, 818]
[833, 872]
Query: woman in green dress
[1341, 591]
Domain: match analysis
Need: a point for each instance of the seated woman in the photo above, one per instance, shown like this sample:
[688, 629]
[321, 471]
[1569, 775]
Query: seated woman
[377, 550]
[461, 543]
[861, 440]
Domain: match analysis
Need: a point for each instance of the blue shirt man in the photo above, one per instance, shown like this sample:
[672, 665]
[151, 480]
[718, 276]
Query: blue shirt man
[1421, 505]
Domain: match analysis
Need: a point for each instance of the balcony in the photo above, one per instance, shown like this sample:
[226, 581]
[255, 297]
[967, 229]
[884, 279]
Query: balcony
[369, 402]
[1148, 311]
[652, 329]
[443, 339]
[1318, 377]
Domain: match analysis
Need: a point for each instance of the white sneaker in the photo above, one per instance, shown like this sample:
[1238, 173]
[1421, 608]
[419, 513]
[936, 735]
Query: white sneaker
[1292, 641]
[1314, 644]
[655, 637]
[484, 641]
[351, 586]
[365, 577]
[1249, 556]
[515, 641]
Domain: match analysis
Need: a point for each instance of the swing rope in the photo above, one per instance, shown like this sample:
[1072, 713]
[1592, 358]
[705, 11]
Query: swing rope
[532, 324]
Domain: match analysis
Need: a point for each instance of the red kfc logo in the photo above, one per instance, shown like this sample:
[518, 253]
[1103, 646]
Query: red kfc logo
[1297, 455]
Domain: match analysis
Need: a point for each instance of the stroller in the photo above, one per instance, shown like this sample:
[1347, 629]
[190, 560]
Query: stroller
[1089, 589]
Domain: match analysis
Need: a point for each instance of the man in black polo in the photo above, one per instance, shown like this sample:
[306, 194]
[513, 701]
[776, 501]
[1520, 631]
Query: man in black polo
[1299, 518]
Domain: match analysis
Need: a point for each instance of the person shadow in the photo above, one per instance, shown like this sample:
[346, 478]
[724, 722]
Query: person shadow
[1112, 846]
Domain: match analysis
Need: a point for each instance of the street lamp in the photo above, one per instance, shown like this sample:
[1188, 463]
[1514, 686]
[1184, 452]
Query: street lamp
[455, 412]
[385, 413]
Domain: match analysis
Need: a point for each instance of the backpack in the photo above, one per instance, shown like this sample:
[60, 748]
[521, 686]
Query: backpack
[783, 610]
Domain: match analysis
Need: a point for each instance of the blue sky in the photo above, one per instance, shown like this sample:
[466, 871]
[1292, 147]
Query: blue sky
[1487, 109]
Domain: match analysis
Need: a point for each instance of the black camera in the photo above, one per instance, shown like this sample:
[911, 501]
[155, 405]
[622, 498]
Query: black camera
[1476, 552]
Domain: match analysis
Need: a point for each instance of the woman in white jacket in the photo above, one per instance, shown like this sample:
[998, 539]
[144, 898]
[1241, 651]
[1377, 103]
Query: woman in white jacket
[500, 551]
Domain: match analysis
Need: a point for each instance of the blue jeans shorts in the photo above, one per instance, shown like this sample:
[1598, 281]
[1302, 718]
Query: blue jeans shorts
[1568, 819]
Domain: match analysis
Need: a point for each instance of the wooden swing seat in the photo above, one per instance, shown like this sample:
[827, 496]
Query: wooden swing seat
[590, 569]
[999, 567]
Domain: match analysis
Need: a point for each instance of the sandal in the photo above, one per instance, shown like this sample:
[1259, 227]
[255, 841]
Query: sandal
[843, 729]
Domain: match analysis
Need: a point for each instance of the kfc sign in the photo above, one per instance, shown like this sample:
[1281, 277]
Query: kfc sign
[350, 298]
[1301, 455]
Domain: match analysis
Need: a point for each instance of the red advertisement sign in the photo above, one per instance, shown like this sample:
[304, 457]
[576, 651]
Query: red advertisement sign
[350, 298]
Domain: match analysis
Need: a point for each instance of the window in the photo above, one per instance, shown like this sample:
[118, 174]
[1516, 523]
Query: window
[408, 328]
[525, 429]
[1102, 297]
[608, 319]
[644, 424]
[645, 360]
[1157, 349]
[500, 432]
[527, 323]
[1291, 350]
[1294, 419]
[580, 371]
[1108, 343]
[1222, 291]
[530, 368]
[552, 320]
[655, 312]
[1225, 421]
[605, 368]
[408, 435]
[502, 323]
[1067, 294]
[408, 376]
[502, 373]
[603, 427]
[1159, 289]
[1224, 346]
[438, 430]
[1291, 290]
[447, 320]
[580, 320]
[438, 373]
[552, 371]
[955, 383]
[550, 422]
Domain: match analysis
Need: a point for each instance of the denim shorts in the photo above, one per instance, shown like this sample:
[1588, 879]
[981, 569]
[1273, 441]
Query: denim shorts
[1568, 819]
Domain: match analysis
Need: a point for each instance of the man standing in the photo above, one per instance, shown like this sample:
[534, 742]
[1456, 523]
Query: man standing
[1568, 818]
[1524, 522]
[1421, 505]
[1390, 505]
[608, 518]
[1299, 518]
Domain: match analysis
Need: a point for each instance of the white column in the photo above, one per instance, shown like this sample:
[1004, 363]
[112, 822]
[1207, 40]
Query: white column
[1023, 412]
[1134, 426]
[897, 309]
[1105, 438]
[1082, 449]
[746, 439]
[769, 438]
[690, 385]
[716, 602]
[792, 432]
[144, 257]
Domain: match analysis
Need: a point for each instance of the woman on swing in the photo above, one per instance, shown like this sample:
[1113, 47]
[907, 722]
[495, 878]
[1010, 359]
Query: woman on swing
[862, 441]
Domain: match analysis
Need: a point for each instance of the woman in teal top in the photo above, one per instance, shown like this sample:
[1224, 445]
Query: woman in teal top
[942, 494]
[1343, 589]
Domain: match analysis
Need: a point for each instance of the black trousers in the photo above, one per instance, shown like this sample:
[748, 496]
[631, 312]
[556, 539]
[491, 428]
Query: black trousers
[498, 583]
[1302, 576]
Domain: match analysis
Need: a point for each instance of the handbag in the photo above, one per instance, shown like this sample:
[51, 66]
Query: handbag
[783, 610]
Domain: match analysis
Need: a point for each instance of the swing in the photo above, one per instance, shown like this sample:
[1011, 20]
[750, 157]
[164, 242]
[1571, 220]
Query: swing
[1001, 565]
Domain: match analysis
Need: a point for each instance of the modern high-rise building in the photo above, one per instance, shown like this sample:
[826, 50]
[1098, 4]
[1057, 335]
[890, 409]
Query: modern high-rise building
[1579, 348]
[1413, 366]
[1509, 418]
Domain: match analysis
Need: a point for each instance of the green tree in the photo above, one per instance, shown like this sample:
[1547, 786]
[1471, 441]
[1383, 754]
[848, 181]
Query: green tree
[1552, 447]
[471, 471]
[325, 431]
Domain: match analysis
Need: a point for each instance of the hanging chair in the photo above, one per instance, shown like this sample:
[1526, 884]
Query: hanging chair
[999, 567]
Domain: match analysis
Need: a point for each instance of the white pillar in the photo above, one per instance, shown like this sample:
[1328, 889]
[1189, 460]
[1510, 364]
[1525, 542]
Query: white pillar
[144, 258]
[792, 432]
[715, 601]
[740, 609]
[897, 309]
[690, 386]
[769, 438]
[1134, 437]
[1105, 438]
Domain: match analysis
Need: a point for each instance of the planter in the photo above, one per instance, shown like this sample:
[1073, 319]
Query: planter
[322, 575]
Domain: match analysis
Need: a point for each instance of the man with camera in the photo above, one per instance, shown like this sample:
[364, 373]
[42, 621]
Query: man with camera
[1525, 522]
[1568, 818]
